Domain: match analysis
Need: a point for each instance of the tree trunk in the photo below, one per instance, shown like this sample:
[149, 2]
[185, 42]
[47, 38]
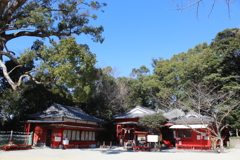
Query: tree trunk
[4, 68]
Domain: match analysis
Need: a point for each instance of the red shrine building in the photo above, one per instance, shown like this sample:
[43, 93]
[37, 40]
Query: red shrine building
[63, 126]
[128, 130]
[191, 131]
[126, 124]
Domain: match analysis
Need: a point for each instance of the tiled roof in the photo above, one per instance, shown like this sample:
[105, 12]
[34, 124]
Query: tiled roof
[58, 110]
[136, 112]
[191, 118]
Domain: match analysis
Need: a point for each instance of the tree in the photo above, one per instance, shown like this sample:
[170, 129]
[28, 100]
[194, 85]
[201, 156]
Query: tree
[216, 64]
[234, 121]
[171, 77]
[209, 101]
[43, 19]
[226, 45]
[66, 63]
[16, 106]
[110, 95]
[153, 122]
[139, 90]
[198, 3]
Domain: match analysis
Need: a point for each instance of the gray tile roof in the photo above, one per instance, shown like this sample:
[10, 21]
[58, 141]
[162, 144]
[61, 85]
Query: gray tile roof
[191, 118]
[136, 112]
[58, 110]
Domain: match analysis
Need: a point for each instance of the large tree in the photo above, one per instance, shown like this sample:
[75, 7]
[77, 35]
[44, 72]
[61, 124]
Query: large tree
[139, 94]
[226, 45]
[45, 19]
[110, 94]
[32, 98]
[216, 64]
[173, 76]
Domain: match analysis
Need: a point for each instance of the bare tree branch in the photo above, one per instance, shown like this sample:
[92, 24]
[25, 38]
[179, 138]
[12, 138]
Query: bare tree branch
[9, 56]
[14, 68]
[31, 78]
[6, 75]
[197, 4]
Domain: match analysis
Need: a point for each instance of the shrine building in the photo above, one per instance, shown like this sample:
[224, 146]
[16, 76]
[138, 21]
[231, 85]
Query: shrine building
[126, 124]
[61, 126]
[192, 131]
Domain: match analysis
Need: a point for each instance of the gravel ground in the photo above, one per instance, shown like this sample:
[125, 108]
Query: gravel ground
[116, 153]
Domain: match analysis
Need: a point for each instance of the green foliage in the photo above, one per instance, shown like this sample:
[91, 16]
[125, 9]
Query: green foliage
[50, 19]
[226, 45]
[64, 70]
[15, 106]
[140, 93]
[152, 122]
[143, 70]
[110, 95]
[233, 118]
[70, 64]
[215, 65]
[59, 18]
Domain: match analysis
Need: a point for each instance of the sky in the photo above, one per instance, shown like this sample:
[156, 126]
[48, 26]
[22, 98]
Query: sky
[136, 31]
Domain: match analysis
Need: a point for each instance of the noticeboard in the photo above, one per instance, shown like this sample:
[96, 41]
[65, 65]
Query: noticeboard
[65, 142]
[152, 138]
[57, 139]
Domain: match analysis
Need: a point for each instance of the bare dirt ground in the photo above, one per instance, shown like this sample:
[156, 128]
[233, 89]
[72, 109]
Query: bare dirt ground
[116, 153]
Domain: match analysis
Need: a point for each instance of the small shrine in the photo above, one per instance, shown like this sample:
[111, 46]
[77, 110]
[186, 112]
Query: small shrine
[61, 126]
[191, 131]
[126, 125]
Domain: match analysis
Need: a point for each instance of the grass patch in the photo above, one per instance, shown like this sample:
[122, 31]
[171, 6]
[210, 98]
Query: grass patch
[229, 147]
[235, 137]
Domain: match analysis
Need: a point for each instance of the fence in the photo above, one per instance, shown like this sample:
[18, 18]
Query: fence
[18, 138]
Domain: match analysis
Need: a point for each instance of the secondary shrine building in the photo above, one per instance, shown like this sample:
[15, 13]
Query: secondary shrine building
[128, 130]
[126, 124]
[191, 131]
[63, 126]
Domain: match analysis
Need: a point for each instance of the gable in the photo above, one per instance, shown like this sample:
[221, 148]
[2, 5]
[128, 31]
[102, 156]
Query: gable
[136, 112]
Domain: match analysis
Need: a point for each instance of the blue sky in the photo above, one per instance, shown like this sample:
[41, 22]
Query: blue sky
[137, 31]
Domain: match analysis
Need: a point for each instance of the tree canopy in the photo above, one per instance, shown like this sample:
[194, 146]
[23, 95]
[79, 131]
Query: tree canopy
[110, 94]
[43, 19]
[152, 122]
[55, 68]
[216, 64]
